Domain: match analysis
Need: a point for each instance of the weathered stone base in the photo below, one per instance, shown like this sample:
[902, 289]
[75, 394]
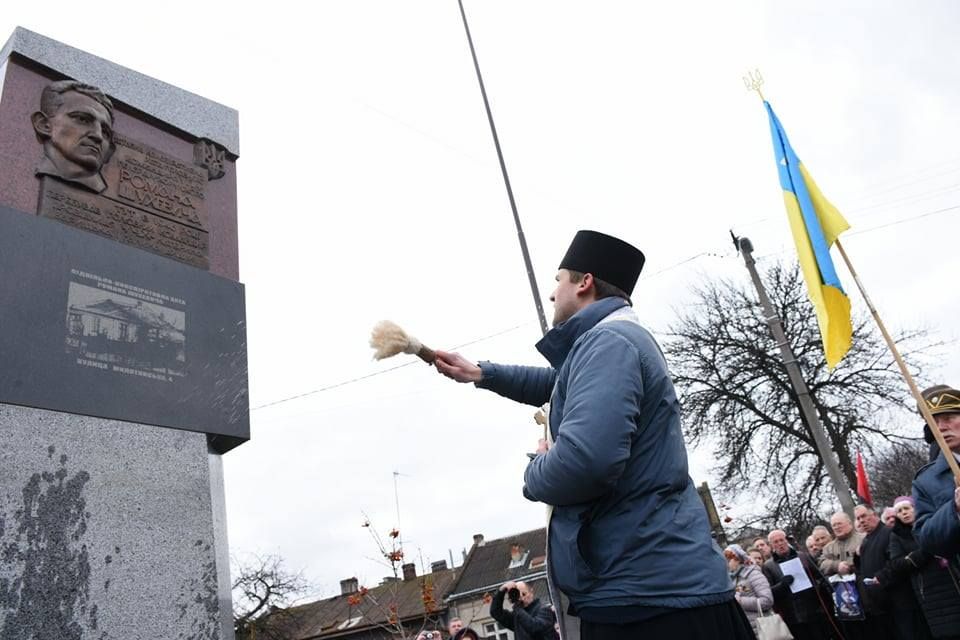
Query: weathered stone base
[109, 531]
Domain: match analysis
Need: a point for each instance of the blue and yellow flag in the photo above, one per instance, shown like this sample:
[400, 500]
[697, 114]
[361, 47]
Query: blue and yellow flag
[815, 224]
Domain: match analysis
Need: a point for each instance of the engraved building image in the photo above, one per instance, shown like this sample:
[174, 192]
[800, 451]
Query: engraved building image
[112, 328]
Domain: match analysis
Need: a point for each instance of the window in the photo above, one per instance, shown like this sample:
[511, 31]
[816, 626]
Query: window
[76, 324]
[519, 559]
[125, 332]
[494, 631]
[349, 622]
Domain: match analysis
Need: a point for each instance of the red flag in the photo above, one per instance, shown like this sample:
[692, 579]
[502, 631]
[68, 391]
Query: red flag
[863, 484]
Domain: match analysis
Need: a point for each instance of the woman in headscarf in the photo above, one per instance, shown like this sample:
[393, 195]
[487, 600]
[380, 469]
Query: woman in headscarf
[751, 587]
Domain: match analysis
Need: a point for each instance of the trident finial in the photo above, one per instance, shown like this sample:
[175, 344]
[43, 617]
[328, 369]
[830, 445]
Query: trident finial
[753, 81]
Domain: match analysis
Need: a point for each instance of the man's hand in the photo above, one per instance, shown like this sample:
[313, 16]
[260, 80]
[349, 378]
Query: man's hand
[542, 446]
[456, 367]
[844, 568]
[506, 586]
[956, 499]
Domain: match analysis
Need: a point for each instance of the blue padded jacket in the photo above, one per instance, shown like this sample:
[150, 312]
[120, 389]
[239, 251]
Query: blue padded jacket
[628, 528]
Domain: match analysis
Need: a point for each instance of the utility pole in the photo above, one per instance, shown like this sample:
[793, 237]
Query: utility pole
[506, 180]
[840, 486]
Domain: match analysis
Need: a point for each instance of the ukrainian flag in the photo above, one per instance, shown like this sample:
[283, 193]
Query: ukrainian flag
[815, 224]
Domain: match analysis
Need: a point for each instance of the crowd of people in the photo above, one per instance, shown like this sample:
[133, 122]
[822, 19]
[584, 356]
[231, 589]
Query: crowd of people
[886, 574]
[865, 577]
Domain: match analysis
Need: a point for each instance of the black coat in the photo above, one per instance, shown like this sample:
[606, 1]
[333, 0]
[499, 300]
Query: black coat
[935, 586]
[871, 560]
[896, 577]
[805, 606]
[533, 622]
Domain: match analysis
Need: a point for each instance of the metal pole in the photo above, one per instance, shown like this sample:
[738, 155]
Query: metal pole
[809, 412]
[506, 179]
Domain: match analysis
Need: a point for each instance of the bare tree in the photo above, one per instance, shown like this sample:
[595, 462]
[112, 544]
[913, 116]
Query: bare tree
[736, 394]
[263, 593]
[891, 471]
[381, 606]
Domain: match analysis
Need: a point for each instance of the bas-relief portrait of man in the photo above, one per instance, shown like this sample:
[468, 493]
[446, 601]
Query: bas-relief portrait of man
[75, 126]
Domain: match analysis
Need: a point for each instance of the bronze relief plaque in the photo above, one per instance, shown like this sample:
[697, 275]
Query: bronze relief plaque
[152, 201]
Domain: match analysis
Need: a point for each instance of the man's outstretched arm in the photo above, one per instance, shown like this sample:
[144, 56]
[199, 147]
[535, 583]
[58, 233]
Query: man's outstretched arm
[529, 385]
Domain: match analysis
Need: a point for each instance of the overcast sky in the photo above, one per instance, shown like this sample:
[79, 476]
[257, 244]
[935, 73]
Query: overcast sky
[369, 189]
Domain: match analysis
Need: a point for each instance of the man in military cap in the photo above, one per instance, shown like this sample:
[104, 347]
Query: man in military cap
[935, 493]
[629, 542]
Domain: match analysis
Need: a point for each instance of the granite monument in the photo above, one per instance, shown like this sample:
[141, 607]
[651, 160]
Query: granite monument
[123, 343]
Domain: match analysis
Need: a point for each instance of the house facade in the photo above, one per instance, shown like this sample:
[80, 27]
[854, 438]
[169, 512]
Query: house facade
[488, 565]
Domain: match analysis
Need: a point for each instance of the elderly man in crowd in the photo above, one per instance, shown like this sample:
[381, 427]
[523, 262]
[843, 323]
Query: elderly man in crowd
[871, 559]
[803, 611]
[935, 493]
[821, 535]
[837, 556]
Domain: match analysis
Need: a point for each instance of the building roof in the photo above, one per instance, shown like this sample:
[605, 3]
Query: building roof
[137, 313]
[488, 565]
[366, 611]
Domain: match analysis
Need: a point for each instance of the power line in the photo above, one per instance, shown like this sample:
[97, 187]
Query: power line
[910, 219]
[881, 226]
[883, 204]
[702, 254]
[908, 198]
[378, 373]
[697, 256]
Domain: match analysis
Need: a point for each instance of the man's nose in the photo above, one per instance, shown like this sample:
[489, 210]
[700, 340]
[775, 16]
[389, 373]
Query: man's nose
[96, 131]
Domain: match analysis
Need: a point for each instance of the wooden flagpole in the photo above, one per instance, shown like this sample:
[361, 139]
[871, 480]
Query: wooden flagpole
[921, 403]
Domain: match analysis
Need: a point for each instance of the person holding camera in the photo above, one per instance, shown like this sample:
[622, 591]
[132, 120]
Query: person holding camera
[529, 619]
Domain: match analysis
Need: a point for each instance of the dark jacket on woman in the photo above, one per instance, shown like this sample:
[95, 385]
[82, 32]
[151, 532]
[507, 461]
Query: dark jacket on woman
[935, 586]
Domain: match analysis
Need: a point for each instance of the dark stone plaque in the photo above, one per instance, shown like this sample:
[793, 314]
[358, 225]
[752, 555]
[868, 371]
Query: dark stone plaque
[152, 201]
[97, 328]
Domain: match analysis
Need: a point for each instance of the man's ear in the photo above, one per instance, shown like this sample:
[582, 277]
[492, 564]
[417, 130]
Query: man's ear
[41, 124]
[585, 286]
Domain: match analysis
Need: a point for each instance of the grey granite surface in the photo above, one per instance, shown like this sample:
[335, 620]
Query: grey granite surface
[187, 111]
[109, 530]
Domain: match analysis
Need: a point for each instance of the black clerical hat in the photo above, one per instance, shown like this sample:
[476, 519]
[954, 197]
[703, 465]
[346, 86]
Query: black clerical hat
[607, 258]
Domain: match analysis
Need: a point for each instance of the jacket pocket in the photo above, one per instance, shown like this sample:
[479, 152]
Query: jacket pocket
[570, 570]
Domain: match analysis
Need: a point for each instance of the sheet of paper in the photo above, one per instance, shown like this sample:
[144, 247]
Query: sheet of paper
[800, 580]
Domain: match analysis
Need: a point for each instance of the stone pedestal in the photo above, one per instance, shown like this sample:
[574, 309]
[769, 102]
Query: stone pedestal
[123, 353]
[109, 530]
